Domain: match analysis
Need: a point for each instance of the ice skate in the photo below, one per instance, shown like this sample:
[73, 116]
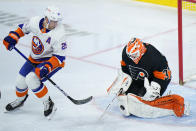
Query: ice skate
[16, 104]
[49, 108]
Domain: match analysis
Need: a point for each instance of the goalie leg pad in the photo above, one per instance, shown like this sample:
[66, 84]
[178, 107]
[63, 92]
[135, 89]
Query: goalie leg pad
[138, 108]
[178, 105]
[21, 86]
[170, 102]
[123, 104]
[38, 88]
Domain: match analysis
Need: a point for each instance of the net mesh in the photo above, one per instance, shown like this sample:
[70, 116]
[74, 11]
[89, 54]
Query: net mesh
[188, 34]
[186, 4]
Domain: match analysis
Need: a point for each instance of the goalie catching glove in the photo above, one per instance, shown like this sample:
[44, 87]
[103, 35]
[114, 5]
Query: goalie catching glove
[120, 84]
[152, 90]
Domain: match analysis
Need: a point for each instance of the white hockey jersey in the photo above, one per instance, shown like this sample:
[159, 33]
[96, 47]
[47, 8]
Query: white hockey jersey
[45, 44]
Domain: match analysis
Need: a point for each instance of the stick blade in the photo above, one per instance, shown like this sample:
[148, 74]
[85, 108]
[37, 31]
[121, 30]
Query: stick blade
[80, 102]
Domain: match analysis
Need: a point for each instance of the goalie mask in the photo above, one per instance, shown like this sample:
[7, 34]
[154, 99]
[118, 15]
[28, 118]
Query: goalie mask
[135, 49]
[53, 16]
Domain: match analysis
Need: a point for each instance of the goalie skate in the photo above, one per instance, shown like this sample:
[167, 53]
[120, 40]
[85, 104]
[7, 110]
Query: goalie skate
[187, 109]
[16, 104]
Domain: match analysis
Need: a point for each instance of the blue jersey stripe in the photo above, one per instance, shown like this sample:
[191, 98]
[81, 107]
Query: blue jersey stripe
[38, 89]
[21, 90]
[61, 58]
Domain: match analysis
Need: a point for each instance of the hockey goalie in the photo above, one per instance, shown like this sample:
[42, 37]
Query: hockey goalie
[142, 81]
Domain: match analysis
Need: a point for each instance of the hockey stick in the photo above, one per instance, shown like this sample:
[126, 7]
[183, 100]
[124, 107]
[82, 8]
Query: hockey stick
[119, 92]
[77, 102]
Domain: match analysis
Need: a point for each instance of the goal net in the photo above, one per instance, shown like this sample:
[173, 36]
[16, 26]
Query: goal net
[186, 4]
[186, 11]
[186, 40]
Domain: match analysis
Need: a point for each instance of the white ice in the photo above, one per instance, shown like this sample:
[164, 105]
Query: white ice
[97, 31]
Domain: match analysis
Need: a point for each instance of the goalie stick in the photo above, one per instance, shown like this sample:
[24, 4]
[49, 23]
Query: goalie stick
[119, 92]
[77, 102]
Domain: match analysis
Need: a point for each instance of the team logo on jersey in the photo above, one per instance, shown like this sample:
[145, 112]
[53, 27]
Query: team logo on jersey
[137, 73]
[37, 46]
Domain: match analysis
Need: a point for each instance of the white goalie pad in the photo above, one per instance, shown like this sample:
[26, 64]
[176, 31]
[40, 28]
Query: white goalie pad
[122, 99]
[122, 81]
[140, 109]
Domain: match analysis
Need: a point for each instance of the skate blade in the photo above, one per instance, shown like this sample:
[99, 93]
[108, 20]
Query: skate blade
[6, 111]
[52, 114]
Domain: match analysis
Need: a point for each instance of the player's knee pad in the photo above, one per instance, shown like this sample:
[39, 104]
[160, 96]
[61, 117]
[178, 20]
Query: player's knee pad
[139, 108]
[123, 105]
[38, 88]
[32, 80]
[21, 86]
[20, 82]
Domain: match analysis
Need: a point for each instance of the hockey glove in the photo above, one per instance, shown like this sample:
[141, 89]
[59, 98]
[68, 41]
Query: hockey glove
[13, 37]
[10, 41]
[43, 69]
[122, 82]
[152, 90]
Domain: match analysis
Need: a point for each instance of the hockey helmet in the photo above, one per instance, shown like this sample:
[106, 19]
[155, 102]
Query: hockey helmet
[135, 49]
[53, 13]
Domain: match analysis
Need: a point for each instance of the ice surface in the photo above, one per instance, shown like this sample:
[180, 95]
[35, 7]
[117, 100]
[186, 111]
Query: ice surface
[97, 31]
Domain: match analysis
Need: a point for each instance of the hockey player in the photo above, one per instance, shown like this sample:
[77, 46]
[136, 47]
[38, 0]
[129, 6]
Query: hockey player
[141, 82]
[47, 54]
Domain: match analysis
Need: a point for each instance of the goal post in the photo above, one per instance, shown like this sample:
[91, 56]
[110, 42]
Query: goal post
[189, 5]
[180, 43]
